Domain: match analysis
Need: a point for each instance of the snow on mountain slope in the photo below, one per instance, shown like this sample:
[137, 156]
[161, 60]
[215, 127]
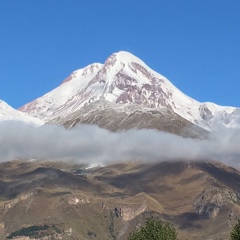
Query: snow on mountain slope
[125, 79]
[8, 113]
[52, 103]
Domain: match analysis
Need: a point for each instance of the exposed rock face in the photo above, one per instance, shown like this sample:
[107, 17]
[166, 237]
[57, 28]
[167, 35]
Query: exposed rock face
[212, 200]
[205, 112]
[78, 199]
[129, 213]
[11, 203]
[126, 117]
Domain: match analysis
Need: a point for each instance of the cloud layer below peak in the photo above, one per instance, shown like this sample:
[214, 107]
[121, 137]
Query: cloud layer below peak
[90, 144]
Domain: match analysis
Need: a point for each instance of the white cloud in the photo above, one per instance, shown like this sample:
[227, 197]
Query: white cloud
[90, 144]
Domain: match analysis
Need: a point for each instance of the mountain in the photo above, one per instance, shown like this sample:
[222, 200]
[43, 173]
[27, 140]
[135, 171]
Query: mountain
[7, 113]
[201, 200]
[48, 199]
[128, 86]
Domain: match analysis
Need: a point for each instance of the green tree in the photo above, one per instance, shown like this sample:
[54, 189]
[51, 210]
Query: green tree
[235, 233]
[154, 230]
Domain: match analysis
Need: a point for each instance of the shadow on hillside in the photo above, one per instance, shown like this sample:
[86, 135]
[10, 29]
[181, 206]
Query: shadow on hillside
[139, 181]
[229, 178]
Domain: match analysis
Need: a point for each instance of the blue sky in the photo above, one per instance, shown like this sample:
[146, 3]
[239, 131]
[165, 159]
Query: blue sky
[195, 44]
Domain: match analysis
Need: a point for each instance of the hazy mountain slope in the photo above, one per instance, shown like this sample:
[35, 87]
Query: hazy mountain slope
[8, 113]
[125, 79]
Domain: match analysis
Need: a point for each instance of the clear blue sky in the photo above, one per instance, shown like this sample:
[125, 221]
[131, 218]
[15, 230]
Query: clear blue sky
[194, 43]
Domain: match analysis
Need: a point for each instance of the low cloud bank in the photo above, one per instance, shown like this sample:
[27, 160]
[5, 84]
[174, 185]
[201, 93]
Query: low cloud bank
[90, 144]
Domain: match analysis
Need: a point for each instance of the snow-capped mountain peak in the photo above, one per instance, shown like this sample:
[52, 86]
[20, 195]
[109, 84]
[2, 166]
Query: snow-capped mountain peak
[126, 79]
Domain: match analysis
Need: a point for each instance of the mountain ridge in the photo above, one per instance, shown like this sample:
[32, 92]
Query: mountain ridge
[7, 113]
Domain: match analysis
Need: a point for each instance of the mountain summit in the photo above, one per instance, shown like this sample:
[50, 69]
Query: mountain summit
[126, 83]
